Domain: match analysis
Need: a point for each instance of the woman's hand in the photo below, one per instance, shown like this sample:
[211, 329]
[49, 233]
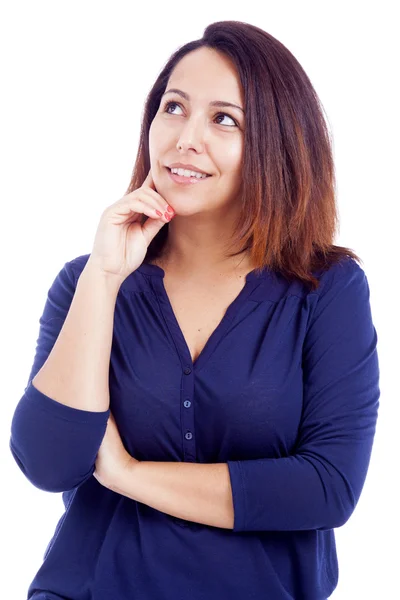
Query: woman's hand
[113, 462]
[121, 240]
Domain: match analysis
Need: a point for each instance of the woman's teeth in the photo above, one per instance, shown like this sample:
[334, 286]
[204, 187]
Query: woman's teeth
[186, 173]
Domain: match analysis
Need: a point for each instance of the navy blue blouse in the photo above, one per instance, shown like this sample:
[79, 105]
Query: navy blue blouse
[286, 392]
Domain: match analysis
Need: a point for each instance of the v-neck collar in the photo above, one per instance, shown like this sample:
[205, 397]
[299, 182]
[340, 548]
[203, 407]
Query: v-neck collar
[253, 280]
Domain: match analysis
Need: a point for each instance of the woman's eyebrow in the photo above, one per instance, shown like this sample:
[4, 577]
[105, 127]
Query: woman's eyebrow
[219, 103]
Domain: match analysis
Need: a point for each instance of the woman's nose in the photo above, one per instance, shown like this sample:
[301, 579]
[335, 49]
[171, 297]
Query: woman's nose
[192, 136]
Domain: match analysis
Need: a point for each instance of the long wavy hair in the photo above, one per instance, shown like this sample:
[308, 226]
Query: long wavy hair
[289, 216]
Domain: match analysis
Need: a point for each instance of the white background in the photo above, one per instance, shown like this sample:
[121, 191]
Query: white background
[74, 78]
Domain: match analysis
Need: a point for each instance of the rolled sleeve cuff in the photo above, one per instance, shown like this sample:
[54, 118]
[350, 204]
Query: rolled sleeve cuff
[238, 495]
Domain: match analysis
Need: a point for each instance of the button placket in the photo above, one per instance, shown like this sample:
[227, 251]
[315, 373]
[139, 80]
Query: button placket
[187, 415]
[187, 424]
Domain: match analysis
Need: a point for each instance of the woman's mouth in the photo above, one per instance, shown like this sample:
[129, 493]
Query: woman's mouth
[186, 180]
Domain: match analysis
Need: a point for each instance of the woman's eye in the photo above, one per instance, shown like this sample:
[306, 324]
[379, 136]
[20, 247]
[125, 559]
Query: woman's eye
[218, 116]
[224, 115]
[168, 105]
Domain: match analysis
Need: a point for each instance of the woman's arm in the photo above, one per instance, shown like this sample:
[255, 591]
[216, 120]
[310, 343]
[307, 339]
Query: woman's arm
[193, 491]
[76, 372]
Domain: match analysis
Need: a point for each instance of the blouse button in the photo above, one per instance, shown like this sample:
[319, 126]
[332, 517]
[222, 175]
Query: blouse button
[187, 403]
[188, 435]
[187, 371]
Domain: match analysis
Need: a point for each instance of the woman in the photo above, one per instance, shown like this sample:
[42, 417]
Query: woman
[206, 383]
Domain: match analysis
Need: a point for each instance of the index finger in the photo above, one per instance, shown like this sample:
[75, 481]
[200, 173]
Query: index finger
[149, 180]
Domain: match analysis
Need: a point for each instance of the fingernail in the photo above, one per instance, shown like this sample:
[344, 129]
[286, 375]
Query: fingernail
[170, 209]
[159, 213]
[167, 216]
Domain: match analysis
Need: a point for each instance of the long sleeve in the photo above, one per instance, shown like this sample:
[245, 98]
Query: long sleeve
[54, 445]
[319, 485]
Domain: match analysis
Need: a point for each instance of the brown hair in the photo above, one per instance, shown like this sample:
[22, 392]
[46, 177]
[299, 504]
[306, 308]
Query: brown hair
[289, 216]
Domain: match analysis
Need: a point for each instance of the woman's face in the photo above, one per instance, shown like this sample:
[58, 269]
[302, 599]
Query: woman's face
[189, 130]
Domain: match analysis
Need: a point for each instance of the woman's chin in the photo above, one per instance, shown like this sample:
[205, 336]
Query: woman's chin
[182, 207]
